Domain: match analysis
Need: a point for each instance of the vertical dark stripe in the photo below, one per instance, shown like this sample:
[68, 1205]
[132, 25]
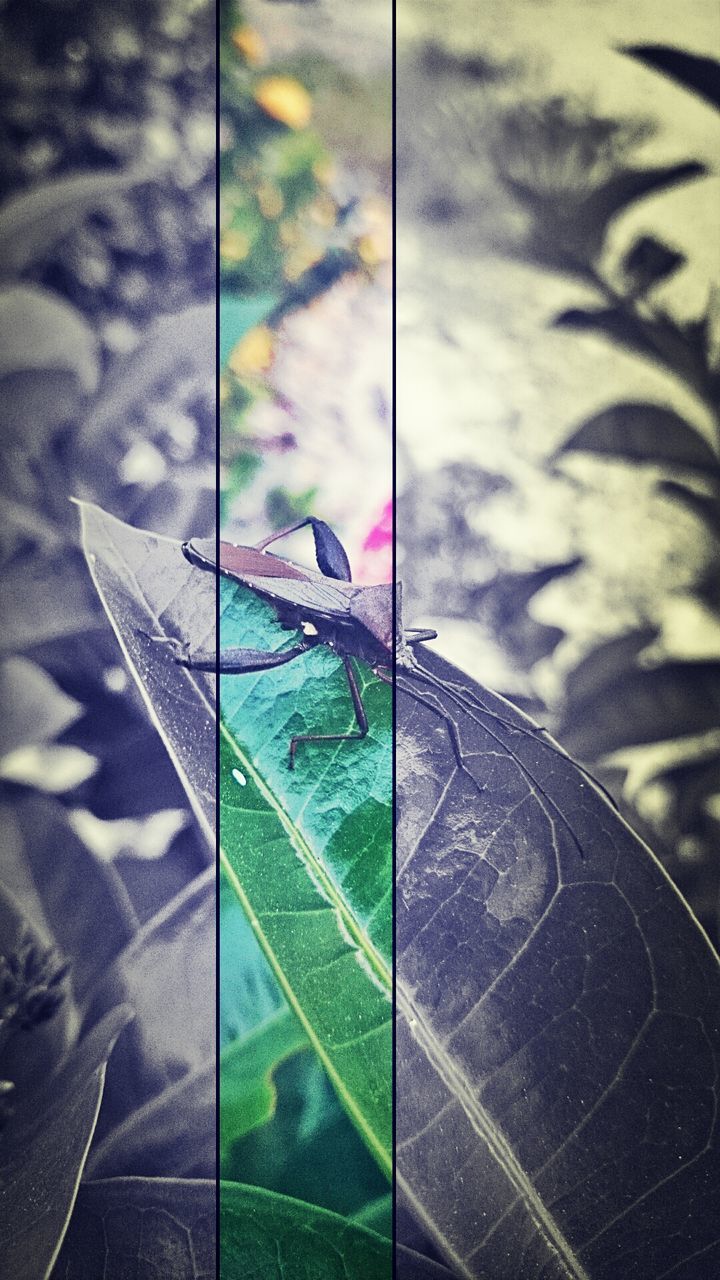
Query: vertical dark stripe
[217, 641]
[394, 579]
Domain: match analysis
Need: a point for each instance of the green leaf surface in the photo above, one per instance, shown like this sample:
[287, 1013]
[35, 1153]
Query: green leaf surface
[247, 1090]
[144, 1228]
[309, 851]
[263, 1234]
[149, 589]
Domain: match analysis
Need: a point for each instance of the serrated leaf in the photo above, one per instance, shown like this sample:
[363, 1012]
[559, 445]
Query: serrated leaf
[148, 589]
[32, 222]
[642, 432]
[141, 1227]
[557, 1036]
[699, 74]
[308, 851]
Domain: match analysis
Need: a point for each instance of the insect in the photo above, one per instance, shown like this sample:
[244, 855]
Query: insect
[362, 622]
[355, 622]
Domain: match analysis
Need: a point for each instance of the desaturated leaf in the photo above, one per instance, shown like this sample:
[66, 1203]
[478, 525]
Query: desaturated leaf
[175, 346]
[35, 709]
[171, 1136]
[150, 590]
[704, 505]
[42, 1158]
[611, 703]
[167, 975]
[694, 72]
[309, 853]
[557, 1038]
[40, 331]
[630, 185]
[44, 597]
[501, 605]
[648, 262]
[145, 838]
[146, 1228]
[645, 433]
[63, 889]
[49, 768]
[34, 221]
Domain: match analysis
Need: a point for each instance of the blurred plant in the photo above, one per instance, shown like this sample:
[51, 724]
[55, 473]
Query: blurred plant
[106, 391]
[642, 709]
[292, 230]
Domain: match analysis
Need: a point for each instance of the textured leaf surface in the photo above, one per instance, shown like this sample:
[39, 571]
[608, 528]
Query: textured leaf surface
[43, 1152]
[269, 1236]
[149, 589]
[558, 1037]
[144, 1228]
[309, 851]
[167, 975]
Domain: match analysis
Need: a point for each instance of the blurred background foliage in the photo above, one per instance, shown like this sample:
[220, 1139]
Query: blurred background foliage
[304, 244]
[558, 412]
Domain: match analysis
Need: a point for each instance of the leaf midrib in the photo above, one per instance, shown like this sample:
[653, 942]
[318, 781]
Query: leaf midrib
[355, 933]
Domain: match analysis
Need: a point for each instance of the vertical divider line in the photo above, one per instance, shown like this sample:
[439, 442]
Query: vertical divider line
[217, 642]
[393, 418]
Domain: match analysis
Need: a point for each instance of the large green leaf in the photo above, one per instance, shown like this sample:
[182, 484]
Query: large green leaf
[309, 851]
[266, 1236]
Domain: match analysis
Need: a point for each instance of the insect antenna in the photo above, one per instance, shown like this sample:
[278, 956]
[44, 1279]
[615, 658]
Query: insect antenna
[537, 732]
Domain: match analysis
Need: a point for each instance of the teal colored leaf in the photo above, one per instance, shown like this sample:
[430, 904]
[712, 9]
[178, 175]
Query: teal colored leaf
[247, 1089]
[309, 851]
[237, 315]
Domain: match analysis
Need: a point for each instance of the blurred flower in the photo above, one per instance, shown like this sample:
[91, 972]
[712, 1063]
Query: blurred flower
[254, 353]
[285, 100]
[250, 44]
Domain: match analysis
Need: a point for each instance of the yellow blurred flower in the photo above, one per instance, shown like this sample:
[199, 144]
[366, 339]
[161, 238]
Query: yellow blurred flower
[285, 100]
[234, 245]
[270, 199]
[250, 44]
[254, 353]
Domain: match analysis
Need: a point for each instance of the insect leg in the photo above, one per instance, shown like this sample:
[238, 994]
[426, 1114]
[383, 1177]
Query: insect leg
[414, 635]
[448, 720]
[232, 661]
[360, 716]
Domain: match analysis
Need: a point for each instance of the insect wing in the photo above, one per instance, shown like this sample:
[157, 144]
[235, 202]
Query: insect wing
[247, 562]
[320, 597]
